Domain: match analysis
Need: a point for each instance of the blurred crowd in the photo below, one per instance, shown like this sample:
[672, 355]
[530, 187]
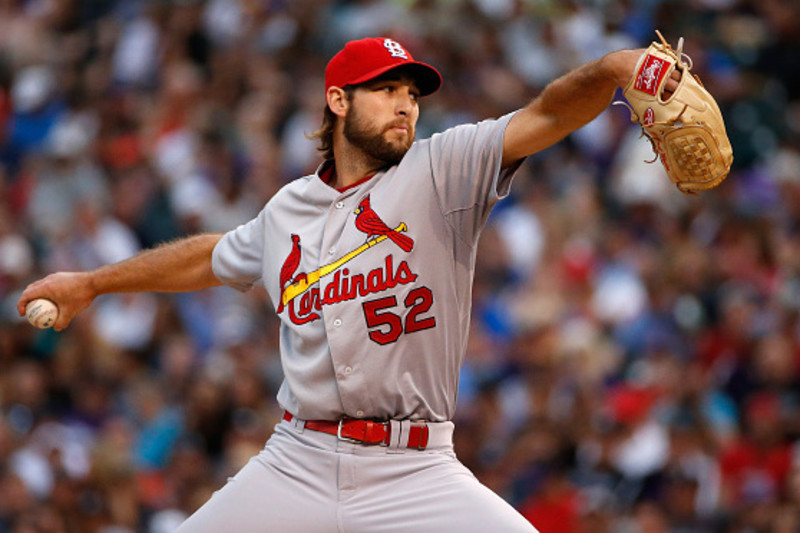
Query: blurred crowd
[634, 354]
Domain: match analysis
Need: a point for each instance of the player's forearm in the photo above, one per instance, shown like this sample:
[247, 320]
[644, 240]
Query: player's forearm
[183, 265]
[579, 96]
[566, 104]
[179, 266]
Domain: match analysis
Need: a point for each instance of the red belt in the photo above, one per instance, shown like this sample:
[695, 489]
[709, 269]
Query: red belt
[366, 431]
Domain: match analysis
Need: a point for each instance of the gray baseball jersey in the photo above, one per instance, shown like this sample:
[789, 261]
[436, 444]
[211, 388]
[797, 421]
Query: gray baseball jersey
[373, 283]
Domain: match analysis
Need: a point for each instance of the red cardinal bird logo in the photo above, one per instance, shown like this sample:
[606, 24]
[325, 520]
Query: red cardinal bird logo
[370, 223]
[289, 267]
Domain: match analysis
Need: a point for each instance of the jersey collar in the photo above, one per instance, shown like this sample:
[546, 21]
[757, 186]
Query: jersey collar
[327, 173]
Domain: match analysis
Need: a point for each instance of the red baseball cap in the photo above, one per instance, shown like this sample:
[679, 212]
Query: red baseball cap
[365, 59]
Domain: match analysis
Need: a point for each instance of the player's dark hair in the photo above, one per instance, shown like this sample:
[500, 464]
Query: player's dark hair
[325, 131]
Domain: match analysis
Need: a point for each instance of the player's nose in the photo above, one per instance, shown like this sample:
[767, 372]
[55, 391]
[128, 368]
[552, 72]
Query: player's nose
[405, 102]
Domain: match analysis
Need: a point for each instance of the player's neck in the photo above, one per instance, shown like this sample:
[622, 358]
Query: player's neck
[352, 165]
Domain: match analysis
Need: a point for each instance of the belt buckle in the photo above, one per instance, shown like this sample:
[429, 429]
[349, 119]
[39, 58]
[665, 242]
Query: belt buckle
[366, 440]
[345, 439]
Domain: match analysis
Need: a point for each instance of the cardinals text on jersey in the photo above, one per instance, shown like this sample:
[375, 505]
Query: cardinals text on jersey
[303, 296]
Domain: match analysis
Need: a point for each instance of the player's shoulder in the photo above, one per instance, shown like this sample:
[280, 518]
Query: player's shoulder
[469, 128]
[294, 188]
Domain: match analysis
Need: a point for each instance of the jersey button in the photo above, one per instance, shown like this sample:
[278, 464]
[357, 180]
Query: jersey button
[359, 413]
[348, 370]
[332, 250]
[339, 204]
[337, 322]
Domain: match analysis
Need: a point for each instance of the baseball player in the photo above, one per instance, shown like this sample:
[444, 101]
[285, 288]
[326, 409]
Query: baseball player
[369, 264]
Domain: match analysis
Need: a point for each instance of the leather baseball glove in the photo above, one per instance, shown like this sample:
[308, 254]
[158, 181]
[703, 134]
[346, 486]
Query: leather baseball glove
[686, 130]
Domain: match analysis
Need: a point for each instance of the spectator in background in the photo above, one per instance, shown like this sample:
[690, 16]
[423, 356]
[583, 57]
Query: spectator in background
[125, 124]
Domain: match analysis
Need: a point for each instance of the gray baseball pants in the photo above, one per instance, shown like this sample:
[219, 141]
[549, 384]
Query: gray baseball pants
[310, 482]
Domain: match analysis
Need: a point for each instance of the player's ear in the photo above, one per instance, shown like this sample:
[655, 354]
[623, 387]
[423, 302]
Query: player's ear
[337, 100]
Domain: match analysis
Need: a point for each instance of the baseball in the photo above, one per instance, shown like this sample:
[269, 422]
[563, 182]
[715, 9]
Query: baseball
[41, 313]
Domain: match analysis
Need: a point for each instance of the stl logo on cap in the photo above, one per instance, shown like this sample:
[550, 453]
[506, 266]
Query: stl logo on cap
[395, 48]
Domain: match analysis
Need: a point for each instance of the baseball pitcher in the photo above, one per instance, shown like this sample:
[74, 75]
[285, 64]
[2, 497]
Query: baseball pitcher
[369, 263]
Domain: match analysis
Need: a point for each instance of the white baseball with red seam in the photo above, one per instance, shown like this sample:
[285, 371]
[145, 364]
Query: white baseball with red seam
[41, 313]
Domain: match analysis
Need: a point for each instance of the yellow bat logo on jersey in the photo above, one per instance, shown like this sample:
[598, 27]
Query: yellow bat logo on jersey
[343, 287]
[304, 281]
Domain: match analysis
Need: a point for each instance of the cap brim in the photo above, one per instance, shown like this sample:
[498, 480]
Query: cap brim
[427, 78]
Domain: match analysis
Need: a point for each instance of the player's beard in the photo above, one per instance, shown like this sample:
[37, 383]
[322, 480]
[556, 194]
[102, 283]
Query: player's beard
[362, 133]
